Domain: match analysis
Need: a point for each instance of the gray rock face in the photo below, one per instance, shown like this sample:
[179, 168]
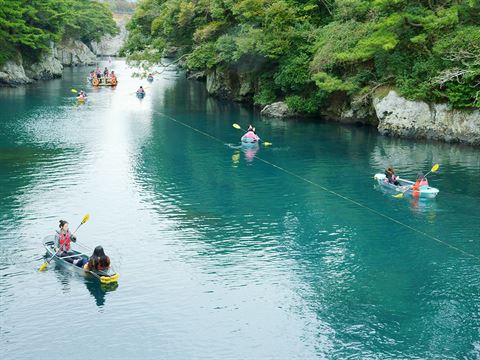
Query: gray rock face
[355, 110]
[415, 119]
[277, 109]
[74, 52]
[110, 45]
[231, 84]
[48, 67]
[196, 75]
[12, 73]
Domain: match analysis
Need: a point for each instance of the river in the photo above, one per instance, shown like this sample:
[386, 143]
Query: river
[224, 252]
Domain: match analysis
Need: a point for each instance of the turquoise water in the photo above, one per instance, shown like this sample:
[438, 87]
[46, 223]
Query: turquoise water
[221, 254]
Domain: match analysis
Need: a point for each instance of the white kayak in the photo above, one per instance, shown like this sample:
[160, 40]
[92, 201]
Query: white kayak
[405, 186]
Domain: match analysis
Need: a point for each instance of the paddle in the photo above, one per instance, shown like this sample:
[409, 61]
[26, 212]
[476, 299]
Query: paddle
[74, 91]
[432, 170]
[45, 264]
[238, 127]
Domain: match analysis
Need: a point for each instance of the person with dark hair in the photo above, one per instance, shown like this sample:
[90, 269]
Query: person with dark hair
[99, 261]
[391, 177]
[63, 239]
[251, 135]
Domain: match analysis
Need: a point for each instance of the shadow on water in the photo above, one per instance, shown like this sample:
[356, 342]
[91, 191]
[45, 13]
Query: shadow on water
[99, 290]
[96, 289]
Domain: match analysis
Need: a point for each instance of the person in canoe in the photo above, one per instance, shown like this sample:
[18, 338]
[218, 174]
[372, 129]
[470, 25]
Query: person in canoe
[421, 183]
[63, 239]
[140, 90]
[99, 261]
[106, 74]
[391, 177]
[251, 134]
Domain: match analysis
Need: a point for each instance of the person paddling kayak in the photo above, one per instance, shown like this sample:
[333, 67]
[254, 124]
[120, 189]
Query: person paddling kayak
[81, 95]
[63, 239]
[251, 135]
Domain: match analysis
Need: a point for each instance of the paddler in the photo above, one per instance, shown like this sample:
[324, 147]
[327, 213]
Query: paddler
[391, 177]
[140, 90]
[421, 183]
[81, 96]
[98, 261]
[63, 239]
[251, 134]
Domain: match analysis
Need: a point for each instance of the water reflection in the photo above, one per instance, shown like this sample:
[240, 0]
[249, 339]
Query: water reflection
[250, 151]
[94, 287]
[99, 290]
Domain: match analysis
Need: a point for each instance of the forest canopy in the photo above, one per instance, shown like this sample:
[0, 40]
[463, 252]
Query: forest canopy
[307, 50]
[31, 26]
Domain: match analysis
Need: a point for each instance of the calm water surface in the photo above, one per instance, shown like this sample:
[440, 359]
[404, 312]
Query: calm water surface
[221, 255]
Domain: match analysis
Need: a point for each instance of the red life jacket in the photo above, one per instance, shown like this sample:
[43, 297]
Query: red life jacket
[65, 241]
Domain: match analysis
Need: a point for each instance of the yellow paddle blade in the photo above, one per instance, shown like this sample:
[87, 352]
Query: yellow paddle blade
[73, 90]
[109, 279]
[85, 218]
[435, 168]
[398, 196]
[236, 126]
[44, 266]
[266, 143]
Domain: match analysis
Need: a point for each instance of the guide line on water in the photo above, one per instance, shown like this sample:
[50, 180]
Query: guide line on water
[427, 235]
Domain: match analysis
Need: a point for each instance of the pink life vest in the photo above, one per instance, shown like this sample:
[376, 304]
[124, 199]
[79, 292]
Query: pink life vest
[65, 241]
[251, 135]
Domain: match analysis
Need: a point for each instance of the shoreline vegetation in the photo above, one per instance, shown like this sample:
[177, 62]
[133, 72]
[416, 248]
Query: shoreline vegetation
[335, 59]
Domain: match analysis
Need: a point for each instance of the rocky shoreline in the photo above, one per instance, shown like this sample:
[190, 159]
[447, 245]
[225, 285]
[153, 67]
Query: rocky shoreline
[385, 109]
[69, 52]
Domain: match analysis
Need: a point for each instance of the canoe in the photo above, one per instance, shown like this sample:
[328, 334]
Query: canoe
[105, 277]
[429, 192]
[149, 79]
[140, 95]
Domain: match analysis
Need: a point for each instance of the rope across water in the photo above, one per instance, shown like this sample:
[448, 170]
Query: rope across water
[431, 237]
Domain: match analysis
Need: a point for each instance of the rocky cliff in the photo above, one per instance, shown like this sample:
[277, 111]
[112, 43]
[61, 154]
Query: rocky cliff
[235, 84]
[415, 119]
[111, 45]
[49, 66]
[74, 52]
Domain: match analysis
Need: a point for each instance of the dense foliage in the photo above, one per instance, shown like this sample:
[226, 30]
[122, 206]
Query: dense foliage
[306, 50]
[31, 26]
